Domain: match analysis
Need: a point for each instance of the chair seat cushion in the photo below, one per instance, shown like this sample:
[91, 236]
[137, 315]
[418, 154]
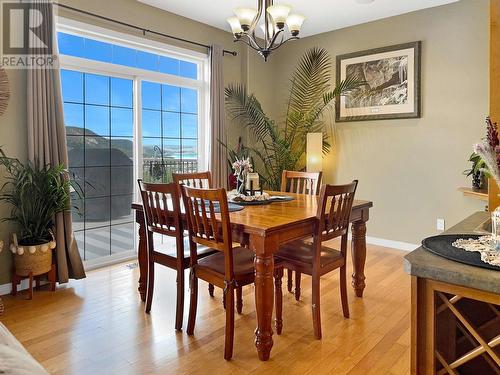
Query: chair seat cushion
[242, 259]
[302, 251]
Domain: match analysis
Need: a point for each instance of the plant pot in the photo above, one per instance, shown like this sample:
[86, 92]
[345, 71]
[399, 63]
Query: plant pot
[34, 259]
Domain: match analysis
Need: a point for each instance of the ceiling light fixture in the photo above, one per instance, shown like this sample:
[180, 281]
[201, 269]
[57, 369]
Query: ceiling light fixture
[243, 26]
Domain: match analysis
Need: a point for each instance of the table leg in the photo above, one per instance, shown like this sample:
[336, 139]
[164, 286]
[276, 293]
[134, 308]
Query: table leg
[264, 249]
[358, 250]
[142, 255]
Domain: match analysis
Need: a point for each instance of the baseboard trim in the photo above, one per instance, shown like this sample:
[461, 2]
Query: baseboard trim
[399, 245]
[7, 288]
[88, 265]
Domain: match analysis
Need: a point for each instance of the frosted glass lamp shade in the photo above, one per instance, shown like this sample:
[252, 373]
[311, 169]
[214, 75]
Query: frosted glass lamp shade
[245, 16]
[235, 25]
[314, 152]
[294, 23]
[279, 13]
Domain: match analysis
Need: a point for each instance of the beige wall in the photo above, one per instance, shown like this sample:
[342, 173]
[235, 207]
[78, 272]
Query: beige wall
[13, 123]
[411, 168]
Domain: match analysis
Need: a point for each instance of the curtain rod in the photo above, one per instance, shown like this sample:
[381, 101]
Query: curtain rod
[144, 31]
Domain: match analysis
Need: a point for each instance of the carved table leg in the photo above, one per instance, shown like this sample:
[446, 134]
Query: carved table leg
[264, 293]
[142, 255]
[358, 250]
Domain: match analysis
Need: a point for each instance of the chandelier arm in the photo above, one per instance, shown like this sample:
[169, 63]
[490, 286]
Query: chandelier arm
[257, 16]
[248, 44]
[287, 40]
[273, 40]
[252, 42]
[254, 39]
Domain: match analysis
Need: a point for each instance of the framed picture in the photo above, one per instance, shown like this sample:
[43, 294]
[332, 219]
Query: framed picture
[392, 83]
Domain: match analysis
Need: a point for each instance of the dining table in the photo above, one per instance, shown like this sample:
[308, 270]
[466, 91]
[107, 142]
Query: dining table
[264, 228]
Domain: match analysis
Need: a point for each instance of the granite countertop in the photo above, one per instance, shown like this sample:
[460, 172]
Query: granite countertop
[422, 263]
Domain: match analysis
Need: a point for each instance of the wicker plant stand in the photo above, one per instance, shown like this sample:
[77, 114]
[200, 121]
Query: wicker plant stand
[16, 280]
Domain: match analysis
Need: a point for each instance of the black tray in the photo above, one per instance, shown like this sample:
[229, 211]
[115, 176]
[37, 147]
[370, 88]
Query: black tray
[442, 246]
[261, 203]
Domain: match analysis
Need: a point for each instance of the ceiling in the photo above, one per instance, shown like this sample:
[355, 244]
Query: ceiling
[321, 15]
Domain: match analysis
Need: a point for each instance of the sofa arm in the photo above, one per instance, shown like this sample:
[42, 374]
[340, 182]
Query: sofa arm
[14, 359]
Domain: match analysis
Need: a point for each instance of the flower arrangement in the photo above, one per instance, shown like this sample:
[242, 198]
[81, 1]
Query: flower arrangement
[242, 167]
[489, 150]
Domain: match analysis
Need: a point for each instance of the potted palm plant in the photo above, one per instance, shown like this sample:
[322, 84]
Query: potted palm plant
[281, 145]
[35, 193]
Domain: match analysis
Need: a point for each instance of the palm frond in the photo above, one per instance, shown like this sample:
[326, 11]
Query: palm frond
[248, 111]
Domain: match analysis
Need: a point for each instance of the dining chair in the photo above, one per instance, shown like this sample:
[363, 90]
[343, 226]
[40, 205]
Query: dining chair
[230, 267]
[162, 210]
[316, 260]
[202, 180]
[300, 183]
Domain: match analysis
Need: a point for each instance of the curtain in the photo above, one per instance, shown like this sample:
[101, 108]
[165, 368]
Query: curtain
[47, 138]
[218, 158]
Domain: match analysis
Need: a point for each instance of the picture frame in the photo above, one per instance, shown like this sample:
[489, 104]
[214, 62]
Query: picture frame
[393, 83]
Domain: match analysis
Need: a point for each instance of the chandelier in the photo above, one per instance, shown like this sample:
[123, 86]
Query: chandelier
[244, 26]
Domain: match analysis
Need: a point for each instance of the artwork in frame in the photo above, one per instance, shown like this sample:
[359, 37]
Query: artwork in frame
[391, 88]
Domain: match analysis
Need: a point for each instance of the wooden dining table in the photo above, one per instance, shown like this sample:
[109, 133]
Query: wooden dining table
[264, 228]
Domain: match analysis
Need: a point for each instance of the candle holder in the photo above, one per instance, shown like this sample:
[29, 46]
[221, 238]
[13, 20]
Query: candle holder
[251, 192]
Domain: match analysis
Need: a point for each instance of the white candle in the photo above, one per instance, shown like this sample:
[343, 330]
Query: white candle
[252, 177]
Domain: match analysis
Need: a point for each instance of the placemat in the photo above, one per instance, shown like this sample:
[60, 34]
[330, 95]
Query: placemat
[442, 245]
[232, 207]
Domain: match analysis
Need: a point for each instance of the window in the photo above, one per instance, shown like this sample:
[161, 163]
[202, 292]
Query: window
[132, 108]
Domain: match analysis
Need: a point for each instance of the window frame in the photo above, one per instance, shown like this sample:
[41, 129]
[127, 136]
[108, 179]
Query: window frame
[137, 75]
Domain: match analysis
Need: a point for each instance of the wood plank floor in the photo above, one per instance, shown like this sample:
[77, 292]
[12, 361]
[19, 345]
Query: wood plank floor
[97, 325]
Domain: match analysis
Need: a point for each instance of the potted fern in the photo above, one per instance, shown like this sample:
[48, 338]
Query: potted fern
[35, 193]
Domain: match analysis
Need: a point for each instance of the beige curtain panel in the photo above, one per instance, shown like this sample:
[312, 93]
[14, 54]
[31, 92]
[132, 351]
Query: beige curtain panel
[218, 159]
[47, 141]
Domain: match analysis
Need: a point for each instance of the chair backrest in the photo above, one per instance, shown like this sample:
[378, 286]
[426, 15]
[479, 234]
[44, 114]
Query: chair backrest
[204, 228]
[301, 182]
[201, 180]
[334, 210]
[161, 205]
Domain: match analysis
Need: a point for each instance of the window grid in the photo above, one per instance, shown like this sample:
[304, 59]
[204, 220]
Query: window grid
[107, 167]
[185, 164]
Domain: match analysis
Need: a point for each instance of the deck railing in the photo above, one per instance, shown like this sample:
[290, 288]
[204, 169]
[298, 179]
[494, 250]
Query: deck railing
[155, 170]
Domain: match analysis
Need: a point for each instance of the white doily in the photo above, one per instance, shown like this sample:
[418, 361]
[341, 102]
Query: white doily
[483, 245]
[233, 196]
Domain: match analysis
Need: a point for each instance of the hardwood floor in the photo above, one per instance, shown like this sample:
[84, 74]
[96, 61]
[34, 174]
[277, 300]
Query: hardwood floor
[98, 325]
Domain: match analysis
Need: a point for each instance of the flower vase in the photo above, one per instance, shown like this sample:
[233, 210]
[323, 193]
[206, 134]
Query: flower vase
[495, 228]
[241, 185]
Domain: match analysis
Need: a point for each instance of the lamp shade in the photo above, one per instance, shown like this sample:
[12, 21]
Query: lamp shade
[245, 16]
[279, 13]
[294, 23]
[314, 152]
[235, 25]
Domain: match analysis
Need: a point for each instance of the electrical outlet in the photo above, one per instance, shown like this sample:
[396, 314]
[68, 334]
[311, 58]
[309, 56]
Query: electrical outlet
[440, 224]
